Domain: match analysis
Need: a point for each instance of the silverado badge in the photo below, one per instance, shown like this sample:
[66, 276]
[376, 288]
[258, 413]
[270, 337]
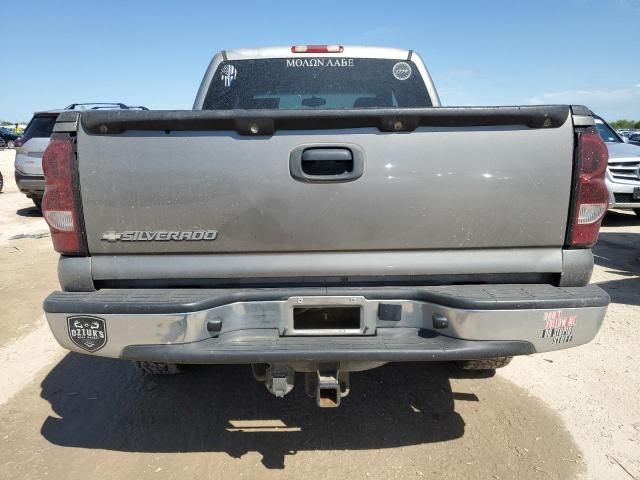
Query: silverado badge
[159, 236]
[87, 332]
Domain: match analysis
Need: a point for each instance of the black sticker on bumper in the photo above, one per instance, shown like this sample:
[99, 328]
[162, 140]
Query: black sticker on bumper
[87, 332]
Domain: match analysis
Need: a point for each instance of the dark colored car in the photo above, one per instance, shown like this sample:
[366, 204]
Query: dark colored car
[8, 136]
[635, 139]
[2, 145]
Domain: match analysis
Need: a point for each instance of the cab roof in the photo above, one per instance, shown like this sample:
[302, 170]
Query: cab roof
[358, 51]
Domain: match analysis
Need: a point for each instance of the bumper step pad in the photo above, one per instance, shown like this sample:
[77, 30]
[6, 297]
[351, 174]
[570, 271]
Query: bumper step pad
[265, 346]
[469, 297]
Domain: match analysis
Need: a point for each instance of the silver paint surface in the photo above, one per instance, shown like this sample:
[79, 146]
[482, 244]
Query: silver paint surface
[435, 188]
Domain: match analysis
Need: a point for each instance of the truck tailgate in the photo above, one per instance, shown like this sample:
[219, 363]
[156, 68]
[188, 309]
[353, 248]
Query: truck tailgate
[452, 185]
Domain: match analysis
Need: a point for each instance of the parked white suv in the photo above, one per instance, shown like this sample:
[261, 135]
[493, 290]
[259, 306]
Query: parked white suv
[623, 173]
[33, 142]
[29, 148]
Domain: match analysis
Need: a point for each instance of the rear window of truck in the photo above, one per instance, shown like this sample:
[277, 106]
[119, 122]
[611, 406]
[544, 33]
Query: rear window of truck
[316, 83]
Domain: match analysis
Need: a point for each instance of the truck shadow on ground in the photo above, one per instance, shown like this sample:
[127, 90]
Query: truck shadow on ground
[109, 404]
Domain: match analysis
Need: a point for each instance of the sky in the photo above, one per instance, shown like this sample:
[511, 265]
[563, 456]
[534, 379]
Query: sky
[154, 53]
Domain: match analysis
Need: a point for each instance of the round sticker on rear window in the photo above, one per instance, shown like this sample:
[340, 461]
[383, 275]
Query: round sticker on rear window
[402, 70]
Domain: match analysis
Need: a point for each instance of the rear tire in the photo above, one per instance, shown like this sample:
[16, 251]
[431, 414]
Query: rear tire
[155, 368]
[10, 144]
[38, 202]
[485, 364]
[1, 182]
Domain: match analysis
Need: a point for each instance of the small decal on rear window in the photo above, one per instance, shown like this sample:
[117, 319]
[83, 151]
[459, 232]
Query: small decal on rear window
[402, 70]
[558, 327]
[228, 74]
[319, 62]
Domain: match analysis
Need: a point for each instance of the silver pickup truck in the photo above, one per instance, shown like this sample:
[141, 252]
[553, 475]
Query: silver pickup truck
[319, 212]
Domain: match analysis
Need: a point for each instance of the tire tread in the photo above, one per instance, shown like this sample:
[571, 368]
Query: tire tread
[156, 368]
[485, 364]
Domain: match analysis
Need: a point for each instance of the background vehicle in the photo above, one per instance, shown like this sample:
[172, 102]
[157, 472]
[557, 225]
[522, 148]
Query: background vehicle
[2, 143]
[8, 136]
[31, 145]
[315, 214]
[29, 148]
[623, 173]
[635, 139]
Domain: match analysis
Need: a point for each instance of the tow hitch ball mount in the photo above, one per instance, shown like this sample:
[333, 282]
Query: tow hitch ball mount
[327, 384]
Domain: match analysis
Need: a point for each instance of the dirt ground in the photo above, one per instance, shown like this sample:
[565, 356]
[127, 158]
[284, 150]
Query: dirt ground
[27, 263]
[568, 414]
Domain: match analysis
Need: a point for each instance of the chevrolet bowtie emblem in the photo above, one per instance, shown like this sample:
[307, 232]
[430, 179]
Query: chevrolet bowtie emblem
[111, 236]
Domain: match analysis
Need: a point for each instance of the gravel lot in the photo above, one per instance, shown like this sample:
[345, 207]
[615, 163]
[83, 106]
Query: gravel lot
[568, 414]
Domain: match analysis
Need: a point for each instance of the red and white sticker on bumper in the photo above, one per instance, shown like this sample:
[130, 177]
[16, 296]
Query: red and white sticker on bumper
[558, 326]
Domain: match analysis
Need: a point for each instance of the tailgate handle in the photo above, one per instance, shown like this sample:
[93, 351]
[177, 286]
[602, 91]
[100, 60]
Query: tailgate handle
[327, 155]
[338, 163]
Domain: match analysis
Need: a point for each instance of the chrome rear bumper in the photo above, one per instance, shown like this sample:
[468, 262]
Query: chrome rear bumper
[397, 323]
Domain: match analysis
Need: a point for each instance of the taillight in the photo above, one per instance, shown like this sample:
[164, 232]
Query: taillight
[317, 49]
[59, 206]
[591, 198]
